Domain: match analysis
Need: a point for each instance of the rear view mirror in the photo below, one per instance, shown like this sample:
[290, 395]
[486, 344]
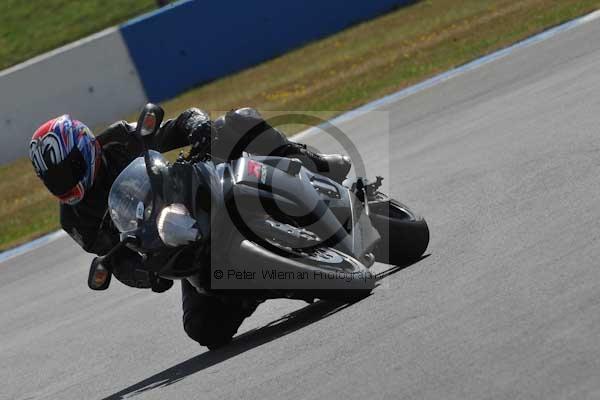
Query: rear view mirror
[150, 119]
[99, 276]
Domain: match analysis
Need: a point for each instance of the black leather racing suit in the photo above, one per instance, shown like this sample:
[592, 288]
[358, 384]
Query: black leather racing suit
[206, 319]
[88, 222]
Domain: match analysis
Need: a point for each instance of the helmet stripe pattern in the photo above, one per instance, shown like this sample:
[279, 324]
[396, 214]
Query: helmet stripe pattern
[53, 141]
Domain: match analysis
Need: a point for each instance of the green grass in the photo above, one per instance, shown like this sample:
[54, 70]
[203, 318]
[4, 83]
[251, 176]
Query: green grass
[341, 72]
[383, 55]
[32, 27]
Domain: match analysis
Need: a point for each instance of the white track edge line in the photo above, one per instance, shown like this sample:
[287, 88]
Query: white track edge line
[444, 76]
[30, 246]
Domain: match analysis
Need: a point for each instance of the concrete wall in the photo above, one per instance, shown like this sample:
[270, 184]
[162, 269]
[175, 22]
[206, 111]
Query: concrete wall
[195, 41]
[93, 79]
[111, 74]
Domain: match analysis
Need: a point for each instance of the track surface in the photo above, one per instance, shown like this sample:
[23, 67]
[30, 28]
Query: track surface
[504, 162]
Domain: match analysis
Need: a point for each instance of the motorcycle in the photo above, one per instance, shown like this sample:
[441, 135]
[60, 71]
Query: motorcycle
[260, 226]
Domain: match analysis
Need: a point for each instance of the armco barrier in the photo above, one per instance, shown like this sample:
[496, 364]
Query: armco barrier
[195, 41]
[92, 79]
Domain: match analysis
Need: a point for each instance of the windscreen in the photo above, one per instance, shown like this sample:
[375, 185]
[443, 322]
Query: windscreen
[130, 198]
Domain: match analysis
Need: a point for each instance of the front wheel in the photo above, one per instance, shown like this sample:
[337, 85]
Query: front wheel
[404, 234]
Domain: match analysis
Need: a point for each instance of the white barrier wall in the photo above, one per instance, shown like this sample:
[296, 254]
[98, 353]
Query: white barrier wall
[93, 79]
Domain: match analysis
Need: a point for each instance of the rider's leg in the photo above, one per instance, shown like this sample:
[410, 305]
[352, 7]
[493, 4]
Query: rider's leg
[208, 320]
[334, 166]
[245, 130]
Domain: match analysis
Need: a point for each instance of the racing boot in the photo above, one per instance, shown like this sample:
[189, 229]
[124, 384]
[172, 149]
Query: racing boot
[333, 166]
[245, 130]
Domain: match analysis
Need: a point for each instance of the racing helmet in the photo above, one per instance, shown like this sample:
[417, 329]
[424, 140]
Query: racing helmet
[66, 156]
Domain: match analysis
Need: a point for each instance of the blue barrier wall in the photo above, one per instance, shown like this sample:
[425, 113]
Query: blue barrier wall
[196, 41]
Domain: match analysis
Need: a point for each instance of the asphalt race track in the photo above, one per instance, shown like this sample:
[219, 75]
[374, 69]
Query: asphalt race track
[504, 162]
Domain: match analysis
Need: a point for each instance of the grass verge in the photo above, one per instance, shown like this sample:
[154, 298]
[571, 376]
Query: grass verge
[32, 27]
[340, 72]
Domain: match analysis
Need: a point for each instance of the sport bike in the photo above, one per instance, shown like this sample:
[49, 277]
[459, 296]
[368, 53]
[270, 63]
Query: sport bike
[260, 226]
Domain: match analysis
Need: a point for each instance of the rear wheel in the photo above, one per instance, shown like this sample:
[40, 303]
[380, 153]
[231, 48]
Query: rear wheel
[404, 234]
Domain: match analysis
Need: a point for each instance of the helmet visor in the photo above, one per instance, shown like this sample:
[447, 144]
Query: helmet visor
[62, 178]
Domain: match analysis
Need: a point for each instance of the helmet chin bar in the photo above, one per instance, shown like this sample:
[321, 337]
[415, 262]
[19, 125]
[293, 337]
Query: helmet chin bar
[175, 226]
[73, 196]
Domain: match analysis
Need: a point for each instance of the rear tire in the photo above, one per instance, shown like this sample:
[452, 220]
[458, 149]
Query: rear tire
[404, 234]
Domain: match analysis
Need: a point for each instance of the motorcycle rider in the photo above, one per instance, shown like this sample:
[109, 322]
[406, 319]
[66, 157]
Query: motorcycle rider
[79, 169]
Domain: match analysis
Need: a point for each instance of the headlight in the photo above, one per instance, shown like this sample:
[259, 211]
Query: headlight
[175, 224]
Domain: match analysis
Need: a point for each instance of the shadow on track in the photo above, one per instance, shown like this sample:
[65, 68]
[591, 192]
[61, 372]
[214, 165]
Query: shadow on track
[287, 324]
[398, 268]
